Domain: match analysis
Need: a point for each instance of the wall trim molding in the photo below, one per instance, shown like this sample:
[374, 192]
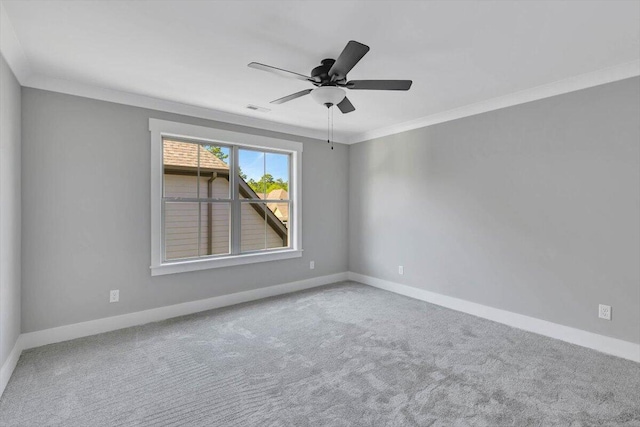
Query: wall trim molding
[18, 61]
[107, 324]
[70, 87]
[83, 329]
[601, 343]
[9, 365]
[571, 84]
[604, 344]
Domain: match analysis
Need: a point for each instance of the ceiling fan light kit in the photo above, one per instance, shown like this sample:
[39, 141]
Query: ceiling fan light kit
[330, 79]
[328, 95]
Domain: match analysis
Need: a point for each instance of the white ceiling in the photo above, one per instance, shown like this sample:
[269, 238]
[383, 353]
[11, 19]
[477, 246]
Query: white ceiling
[196, 52]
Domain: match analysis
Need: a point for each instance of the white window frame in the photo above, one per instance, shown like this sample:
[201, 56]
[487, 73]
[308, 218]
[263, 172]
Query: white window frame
[162, 128]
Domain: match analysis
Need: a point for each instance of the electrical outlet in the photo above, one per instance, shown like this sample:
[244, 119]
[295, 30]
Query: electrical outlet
[114, 295]
[312, 265]
[400, 270]
[604, 312]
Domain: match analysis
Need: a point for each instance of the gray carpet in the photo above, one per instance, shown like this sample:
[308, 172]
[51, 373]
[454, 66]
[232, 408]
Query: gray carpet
[343, 355]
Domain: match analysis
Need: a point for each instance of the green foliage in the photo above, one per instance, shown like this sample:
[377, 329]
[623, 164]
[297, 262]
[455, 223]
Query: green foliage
[217, 151]
[242, 174]
[267, 184]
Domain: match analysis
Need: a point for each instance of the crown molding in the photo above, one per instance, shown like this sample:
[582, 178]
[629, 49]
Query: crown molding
[11, 48]
[582, 81]
[136, 100]
[15, 56]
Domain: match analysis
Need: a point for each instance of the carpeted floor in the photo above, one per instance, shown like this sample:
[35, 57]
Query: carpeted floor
[342, 355]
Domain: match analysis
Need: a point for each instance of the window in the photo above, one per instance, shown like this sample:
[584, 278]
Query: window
[221, 198]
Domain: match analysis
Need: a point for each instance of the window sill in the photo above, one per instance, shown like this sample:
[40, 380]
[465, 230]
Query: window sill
[228, 261]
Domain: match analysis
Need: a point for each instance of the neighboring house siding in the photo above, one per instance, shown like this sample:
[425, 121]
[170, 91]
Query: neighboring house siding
[181, 221]
[253, 231]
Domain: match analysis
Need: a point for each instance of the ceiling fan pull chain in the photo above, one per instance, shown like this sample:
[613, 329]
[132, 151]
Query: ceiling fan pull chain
[332, 128]
[328, 127]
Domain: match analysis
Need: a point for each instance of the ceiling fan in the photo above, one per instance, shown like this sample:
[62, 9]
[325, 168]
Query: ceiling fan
[330, 79]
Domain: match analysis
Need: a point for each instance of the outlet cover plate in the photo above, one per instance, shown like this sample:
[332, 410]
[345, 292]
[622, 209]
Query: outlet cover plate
[604, 312]
[114, 295]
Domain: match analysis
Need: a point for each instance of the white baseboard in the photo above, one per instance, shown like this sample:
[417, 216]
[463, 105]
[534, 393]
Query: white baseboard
[604, 344]
[78, 330]
[9, 365]
[93, 327]
[601, 343]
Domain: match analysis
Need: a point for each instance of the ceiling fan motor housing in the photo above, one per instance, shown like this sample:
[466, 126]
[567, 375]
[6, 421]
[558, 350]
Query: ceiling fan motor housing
[321, 72]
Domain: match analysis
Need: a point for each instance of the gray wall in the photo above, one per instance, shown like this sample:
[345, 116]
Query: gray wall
[86, 214]
[9, 210]
[533, 209]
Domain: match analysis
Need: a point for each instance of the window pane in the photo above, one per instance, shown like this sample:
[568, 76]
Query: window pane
[214, 172]
[277, 176]
[180, 230]
[180, 160]
[214, 228]
[261, 229]
[251, 164]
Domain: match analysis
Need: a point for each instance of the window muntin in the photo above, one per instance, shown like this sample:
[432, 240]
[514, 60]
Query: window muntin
[207, 214]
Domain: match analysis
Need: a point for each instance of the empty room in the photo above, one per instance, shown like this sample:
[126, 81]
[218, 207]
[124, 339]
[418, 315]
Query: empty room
[319, 213]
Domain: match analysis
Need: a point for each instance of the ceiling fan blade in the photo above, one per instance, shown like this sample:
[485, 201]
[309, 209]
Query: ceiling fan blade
[280, 71]
[379, 84]
[352, 53]
[292, 96]
[346, 106]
